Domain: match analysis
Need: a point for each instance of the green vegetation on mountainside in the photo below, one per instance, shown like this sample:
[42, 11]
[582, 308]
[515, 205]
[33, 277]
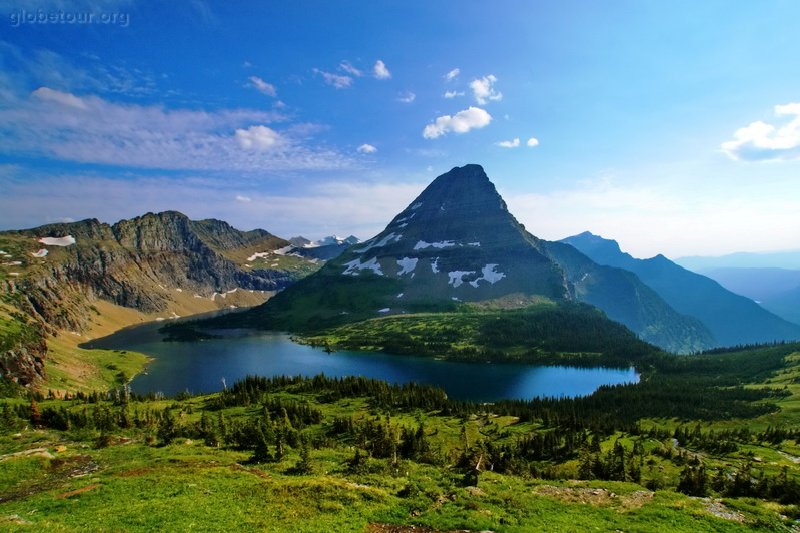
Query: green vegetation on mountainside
[318, 454]
[547, 333]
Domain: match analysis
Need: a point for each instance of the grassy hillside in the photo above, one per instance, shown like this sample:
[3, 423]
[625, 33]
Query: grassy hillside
[358, 455]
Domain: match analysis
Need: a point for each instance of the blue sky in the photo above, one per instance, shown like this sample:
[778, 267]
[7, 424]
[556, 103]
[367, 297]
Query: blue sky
[673, 127]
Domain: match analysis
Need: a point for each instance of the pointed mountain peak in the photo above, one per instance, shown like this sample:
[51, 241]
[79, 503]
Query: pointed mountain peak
[595, 245]
[462, 189]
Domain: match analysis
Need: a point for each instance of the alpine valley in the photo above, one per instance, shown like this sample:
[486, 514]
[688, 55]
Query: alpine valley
[706, 440]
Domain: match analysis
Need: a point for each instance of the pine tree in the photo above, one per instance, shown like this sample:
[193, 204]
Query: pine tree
[36, 414]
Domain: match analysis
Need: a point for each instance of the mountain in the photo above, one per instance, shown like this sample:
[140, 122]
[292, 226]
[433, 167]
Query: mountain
[775, 289]
[731, 318]
[789, 259]
[323, 249]
[457, 242]
[785, 304]
[51, 276]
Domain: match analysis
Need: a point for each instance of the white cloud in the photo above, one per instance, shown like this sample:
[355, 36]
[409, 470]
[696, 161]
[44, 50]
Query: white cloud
[335, 80]
[407, 97]
[453, 74]
[761, 141]
[88, 129]
[514, 143]
[461, 122]
[483, 89]
[263, 87]
[350, 69]
[380, 71]
[243, 199]
[257, 138]
[532, 142]
[453, 94]
[366, 149]
[66, 99]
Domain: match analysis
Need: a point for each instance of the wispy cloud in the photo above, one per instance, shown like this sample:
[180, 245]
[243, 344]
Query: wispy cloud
[407, 97]
[243, 199]
[452, 94]
[483, 89]
[263, 87]
[27, 70]
[761, 141]
[350, 69]
[366, 149]
[335, 80]
[462, 122]
[453, 74]
[90, 129]
[380, 71]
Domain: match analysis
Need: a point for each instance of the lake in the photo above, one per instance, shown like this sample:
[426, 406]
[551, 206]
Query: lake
[201, 367]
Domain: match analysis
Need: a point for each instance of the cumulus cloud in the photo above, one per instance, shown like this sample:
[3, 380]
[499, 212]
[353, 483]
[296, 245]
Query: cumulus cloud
[257, 138]
[532, 142]
[453, 74]
[483, 89]
[263, 87]
[514, 143]
[761, 141]
[380, 71]
[335, 80]
[453, 94]
[89, 129]
[407, 97]
[461, 122]
[366, 149]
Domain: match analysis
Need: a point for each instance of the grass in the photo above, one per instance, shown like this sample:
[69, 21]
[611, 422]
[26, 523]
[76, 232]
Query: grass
[187, 485]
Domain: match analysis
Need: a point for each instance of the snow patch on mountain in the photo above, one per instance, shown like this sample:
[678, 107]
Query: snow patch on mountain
[58, 241]
[435, 266]
[355, 266]
[421, 245]
[407, 264]
[488, 274]
[383, 242]
[39, 253]
[457, 277]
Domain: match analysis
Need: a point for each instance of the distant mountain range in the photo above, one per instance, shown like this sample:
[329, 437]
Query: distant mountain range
[325, 248]
[770, 278]
[788, 259]
[457, 242]
[731, 318]
[774, 289]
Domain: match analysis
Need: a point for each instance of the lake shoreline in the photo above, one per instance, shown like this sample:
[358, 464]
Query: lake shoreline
[200, 366]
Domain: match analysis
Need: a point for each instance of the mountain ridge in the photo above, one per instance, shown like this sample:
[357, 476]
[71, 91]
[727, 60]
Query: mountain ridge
[52, 274]
[732, 319]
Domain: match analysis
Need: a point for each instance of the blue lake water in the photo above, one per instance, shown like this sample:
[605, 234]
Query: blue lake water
[201, 366]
